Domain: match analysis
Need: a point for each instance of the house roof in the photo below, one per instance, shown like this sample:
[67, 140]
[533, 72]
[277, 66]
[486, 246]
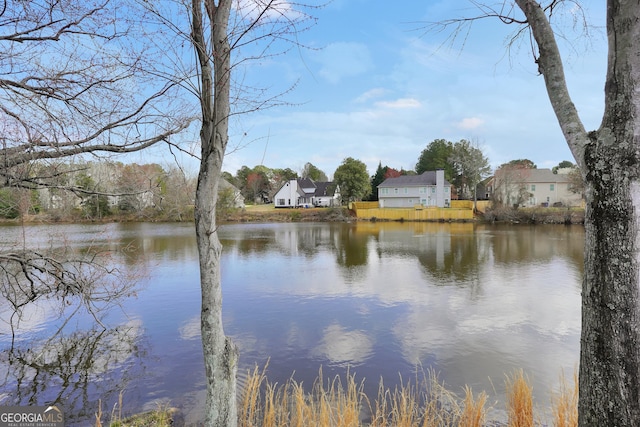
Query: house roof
[426, 178]
[306, 183]
[324, 189]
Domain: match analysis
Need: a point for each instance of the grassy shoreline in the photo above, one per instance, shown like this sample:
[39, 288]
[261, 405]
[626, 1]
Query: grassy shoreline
[268, 213]
[341, 403]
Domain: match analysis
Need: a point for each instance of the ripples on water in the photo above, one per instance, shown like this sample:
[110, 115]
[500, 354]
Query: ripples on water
[386, 299]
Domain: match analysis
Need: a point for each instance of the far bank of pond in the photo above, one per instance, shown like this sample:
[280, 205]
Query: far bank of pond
[269, 214]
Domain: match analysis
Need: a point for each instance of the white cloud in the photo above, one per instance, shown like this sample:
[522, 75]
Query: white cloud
[400, 103]
[371, 94]
[470, 123]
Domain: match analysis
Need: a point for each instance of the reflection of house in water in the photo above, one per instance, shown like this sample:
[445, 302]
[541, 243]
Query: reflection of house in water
[306, 239]
[445, 251]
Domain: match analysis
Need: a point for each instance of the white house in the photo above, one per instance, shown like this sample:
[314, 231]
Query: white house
[304, 192]
[407, 191]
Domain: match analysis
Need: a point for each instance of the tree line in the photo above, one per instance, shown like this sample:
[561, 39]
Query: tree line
[97, 189]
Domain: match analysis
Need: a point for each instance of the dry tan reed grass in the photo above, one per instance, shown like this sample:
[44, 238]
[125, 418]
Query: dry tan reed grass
[337, 402]
[520, 400]
[474, 411]
[342, 403]
[565, 403]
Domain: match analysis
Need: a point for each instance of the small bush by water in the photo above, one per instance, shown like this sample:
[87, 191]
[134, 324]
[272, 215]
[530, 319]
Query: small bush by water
[537, 215]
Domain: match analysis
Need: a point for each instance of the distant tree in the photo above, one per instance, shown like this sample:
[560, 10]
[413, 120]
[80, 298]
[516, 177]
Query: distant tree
[226, 201]
[241, 176]
[178, 195]
[524, 163]
[353, 179]
[381, 174]
[285, 174]
[576, 182]
[229, 178]
[392, 173]
[565, 164]
[471, 167]
[9, 203]
[376, 179]
[138, 186]
[436, 156]
[258, 186]
[313, 173]
[95, 204]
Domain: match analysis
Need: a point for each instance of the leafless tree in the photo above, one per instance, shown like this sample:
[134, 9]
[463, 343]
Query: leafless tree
[609, 161]
[74, 81]
[508, 188]
[219, 31]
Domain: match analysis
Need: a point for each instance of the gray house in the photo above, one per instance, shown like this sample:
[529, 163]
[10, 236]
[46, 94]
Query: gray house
[429, 189]
[304, 192]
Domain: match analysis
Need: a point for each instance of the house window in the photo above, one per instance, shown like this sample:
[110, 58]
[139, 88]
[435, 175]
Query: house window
[533, 187]
[280, 202]
[406, 190]
[433, 190]
[423, 190]
[551, 187]
[410, 201]
[395, 190]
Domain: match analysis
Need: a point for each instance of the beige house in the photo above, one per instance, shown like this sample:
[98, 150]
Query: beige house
[532, 187]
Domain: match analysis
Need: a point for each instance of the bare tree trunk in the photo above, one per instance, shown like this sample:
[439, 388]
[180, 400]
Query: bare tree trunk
[609, 161]
[220, 354]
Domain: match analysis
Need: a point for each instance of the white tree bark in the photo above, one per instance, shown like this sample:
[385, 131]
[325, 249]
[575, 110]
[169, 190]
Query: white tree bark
[608, 159]
[220, 354]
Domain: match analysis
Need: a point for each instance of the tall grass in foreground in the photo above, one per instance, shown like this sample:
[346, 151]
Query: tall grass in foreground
[342, 403]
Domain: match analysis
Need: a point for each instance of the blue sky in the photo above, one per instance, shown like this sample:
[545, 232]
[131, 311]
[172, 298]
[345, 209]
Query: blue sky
[377, 89]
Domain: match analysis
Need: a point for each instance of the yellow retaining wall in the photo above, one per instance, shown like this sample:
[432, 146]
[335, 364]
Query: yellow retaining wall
[364, 205]
[425, 214]
[462, 204]
[482, 205]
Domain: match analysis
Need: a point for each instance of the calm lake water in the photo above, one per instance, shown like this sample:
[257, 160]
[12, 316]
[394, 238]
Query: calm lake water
[473, 302]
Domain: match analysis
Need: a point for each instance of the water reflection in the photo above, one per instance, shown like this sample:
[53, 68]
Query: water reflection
[343, 347]
[76, 349]
[73, 369]
[385, 297]
[472, 301]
